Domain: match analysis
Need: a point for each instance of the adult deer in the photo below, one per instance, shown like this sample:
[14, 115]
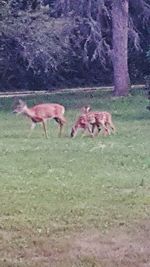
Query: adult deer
[41, 113]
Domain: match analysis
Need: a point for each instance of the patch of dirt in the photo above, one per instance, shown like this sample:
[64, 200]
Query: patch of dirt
[120, 247]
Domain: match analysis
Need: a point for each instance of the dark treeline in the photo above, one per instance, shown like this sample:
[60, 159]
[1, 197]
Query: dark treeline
[47, 44]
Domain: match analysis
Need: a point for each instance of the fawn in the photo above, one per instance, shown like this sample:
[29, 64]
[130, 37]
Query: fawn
[83, 122]
[102, 118]
[41, 113]
[96, 119]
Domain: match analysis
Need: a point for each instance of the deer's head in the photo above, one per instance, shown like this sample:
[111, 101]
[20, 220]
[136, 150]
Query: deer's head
[86, 109]
[20, 108]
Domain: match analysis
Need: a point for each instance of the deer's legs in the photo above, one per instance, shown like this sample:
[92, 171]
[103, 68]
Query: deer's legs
[93, 127]
[113, 127]
[86, 127]
[109, 126]
[89, 130]
[84, 130]
[98, 128]
[61, 127]
[61, 121]
[31, 129]
[44, 127]
[106, 130]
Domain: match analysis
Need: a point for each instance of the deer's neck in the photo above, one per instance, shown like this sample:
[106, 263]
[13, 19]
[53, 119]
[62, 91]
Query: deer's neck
[29, 112]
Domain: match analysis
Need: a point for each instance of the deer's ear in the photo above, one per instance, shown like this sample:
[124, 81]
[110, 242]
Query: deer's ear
[88, 108]
[21, 102]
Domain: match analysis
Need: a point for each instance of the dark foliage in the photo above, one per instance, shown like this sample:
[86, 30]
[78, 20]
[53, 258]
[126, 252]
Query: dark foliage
[46, 44]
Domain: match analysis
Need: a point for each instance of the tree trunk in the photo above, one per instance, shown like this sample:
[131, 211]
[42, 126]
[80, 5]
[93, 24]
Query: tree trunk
[120, 46]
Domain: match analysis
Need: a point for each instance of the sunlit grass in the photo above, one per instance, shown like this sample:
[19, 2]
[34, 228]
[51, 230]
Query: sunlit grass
[61, 185]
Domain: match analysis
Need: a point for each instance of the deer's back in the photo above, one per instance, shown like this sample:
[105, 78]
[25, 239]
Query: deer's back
[98, 117]
[48, 110]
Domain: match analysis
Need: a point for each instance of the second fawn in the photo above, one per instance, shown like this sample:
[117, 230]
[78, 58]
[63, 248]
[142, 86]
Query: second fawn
[41, 113]
[102, 118]
[96, 119]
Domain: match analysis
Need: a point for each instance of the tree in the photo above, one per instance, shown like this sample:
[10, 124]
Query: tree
[32, 48]
[120, 46]
[125, 20]
[57, 43]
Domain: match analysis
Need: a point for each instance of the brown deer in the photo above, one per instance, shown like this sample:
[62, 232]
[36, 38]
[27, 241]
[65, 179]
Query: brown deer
[103, 119]
[97, 119]
[41, 113]
[83, 122]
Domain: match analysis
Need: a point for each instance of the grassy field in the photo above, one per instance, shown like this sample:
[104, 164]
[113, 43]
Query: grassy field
[76, 202]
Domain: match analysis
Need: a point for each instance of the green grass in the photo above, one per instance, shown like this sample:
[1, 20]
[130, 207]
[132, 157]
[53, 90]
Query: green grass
[56, 187]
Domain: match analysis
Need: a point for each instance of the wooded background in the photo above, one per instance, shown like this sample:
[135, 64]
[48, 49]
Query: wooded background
[48, 44]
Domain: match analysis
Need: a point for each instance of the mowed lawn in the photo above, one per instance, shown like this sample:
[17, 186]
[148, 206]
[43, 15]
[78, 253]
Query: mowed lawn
[62, 198]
